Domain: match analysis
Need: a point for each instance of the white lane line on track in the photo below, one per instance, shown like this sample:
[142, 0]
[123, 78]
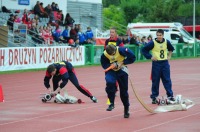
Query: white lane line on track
[85, 123]
[46, 115]
[167, 122]
[77, 110]
[28, 119]
[55, 130]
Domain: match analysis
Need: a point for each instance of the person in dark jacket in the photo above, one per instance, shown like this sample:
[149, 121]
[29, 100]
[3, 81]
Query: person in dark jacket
[64, 71]
[114, 40]
[114, 61]
[69, 21]
[10, 21]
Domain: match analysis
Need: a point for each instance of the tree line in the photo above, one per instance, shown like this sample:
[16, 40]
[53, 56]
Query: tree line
[122, 12]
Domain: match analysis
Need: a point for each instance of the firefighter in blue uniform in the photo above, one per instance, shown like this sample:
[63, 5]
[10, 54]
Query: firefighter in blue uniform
[114, 40]
[117, 57]
[161, 52]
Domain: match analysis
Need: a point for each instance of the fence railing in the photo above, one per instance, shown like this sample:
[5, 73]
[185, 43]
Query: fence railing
[93, 52]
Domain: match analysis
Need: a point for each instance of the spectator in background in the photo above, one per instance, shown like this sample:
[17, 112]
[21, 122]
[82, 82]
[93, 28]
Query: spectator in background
[73, 34]
[181, 40]
[69, 21]
[114, 40]
[65, 34]
[81, 37]
[17, 19]
[144, 40]
[48, 9]
[53, 6]
[25, 18]
[39, 10]
[76, 28]
[49, 27]
[52, 20]
[10, 22]
[89, 36]
[45, 14]
[36, 19]
[138, 40]
[35, 34]
[124, 38]
[57, 34]
[40, 33]
[57, 7]
[4, 9]
[60, 18]
[149, 38]
[133, 40]
[47, 36]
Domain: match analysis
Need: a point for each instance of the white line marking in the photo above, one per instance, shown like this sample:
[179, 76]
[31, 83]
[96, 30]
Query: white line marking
[44, 116]
[84, 123]
[166, 122]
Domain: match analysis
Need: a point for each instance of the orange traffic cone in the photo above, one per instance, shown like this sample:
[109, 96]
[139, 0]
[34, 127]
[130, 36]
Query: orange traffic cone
[1, 94]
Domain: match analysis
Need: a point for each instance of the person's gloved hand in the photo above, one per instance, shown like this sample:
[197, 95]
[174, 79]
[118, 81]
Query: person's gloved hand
[47, 85]
[120, 64]
[62, 85]
[112, 66]
[53, 94]
[115, 65]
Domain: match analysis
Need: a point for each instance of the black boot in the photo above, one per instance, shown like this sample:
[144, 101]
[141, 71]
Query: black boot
[110, 107]
[154, 101]
[126, 112]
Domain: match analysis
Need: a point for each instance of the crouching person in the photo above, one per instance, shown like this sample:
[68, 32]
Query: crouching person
[64, 71]
[114, 61]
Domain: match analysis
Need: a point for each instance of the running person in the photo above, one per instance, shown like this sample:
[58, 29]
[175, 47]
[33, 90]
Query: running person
[160, 64]
[114, 40]
[119, 57]
[64, 71]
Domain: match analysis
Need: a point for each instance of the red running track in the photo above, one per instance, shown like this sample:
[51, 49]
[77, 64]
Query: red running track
[23, 110]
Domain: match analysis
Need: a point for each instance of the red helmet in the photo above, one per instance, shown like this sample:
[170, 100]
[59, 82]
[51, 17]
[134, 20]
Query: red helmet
[71, 41]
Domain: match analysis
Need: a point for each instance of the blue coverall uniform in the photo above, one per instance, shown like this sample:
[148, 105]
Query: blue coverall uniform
[126, 56]
[161, 67]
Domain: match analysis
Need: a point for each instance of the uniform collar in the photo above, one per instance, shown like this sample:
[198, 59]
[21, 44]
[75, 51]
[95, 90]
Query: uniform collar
[115, 39]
